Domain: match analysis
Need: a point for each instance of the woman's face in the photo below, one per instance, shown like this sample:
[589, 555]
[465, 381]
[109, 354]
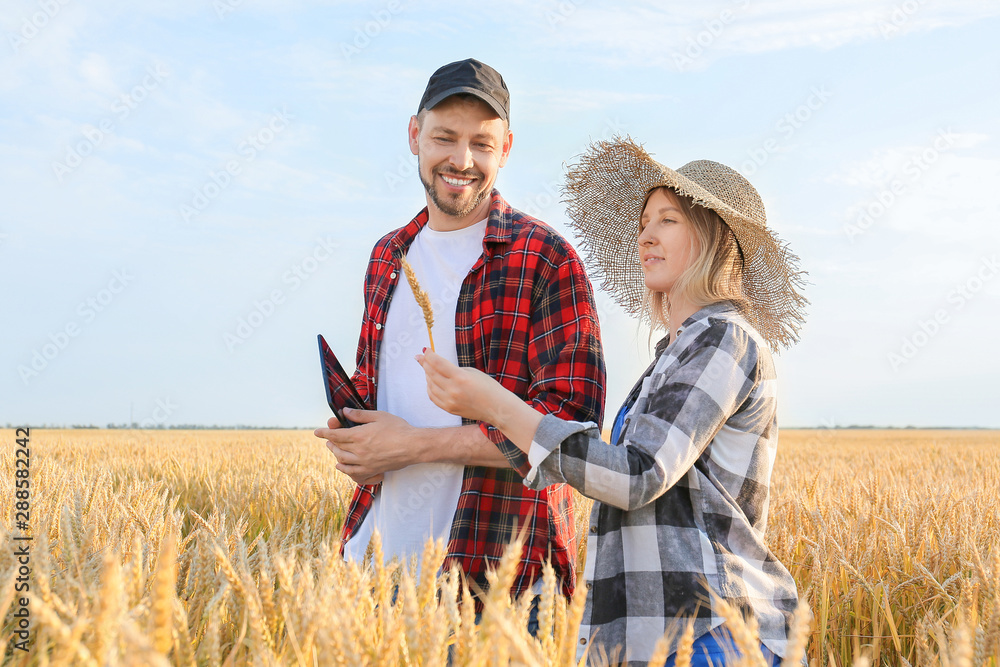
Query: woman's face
[666, 240]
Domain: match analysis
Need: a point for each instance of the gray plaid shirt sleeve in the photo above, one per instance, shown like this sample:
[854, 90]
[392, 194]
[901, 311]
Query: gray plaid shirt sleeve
[683, 495]
[672, 422]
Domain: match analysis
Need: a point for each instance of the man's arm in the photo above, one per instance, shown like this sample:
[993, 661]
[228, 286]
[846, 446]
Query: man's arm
[383, 442]
[565, 358]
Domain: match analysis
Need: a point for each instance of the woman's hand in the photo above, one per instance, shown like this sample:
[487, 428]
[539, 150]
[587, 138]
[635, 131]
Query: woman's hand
[470, 393]
[466, 392]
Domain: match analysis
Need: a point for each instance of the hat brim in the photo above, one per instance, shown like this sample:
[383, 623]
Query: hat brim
[605, 192]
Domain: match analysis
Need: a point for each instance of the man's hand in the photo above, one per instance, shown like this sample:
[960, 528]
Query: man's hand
[379, 442]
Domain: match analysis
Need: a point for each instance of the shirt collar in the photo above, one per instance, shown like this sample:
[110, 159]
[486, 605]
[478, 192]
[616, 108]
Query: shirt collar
[499, 224]
[711, 310]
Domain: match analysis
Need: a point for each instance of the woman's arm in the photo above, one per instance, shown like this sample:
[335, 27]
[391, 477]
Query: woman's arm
[470, 393]
[676, 416]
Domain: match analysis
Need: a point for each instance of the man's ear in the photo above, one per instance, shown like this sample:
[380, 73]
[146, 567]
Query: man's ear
[507, 143]
[413, 132]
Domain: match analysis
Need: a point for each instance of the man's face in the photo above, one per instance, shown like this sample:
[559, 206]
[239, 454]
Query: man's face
[460, 146]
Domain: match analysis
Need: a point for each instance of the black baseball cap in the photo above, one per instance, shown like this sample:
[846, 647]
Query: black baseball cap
[467, 76]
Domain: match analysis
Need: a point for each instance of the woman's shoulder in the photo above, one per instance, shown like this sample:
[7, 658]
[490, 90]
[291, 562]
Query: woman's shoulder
[721, 325]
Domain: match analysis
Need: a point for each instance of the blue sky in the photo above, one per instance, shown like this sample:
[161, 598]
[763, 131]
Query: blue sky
[170, 170]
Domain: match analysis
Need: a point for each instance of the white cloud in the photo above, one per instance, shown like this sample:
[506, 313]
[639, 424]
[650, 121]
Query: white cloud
[538, 104]
[936, 190]
[689, 37]
[97, 74]
[898, 162]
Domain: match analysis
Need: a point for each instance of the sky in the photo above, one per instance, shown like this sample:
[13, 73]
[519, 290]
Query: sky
[190, 189]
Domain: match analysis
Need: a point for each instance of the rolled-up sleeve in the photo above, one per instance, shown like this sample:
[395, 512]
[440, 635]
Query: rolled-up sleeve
[679, 411]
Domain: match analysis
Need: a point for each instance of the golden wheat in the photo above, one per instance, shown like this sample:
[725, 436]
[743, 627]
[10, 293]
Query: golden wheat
[421, 298]
[214, 548]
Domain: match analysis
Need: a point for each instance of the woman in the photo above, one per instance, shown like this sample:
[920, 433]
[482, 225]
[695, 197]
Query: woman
[683, 489]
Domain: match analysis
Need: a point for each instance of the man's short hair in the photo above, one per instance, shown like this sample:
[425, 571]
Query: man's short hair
[468, 97]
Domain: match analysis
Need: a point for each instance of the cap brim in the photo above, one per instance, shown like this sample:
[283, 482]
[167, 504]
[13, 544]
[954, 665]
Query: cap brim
[493, 104]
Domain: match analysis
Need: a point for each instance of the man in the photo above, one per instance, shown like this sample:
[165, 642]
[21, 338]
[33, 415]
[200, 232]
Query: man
[509, 297]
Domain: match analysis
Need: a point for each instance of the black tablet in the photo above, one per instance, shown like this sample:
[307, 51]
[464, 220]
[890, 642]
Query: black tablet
[340, 391]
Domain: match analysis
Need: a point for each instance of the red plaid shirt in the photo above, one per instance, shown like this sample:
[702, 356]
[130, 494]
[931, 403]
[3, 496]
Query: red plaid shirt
[525, 316]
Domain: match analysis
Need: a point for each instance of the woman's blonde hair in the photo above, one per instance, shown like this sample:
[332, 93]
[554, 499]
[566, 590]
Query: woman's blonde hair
[716, 269]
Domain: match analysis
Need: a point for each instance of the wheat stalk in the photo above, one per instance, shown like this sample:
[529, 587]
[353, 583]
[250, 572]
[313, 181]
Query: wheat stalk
[546, 608]
[685, 648]
[798, 636]
[161, 615]
[420, 296]
[905, 549]
[109, 608]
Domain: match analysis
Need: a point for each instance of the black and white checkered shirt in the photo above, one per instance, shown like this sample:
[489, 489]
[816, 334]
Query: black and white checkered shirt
[683, 494]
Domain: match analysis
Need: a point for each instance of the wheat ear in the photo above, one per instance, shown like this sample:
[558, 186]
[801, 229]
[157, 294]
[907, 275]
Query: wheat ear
[163, 593]
[421, 297]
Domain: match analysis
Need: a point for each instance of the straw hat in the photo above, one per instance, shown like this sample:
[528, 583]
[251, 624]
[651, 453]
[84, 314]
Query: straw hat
[605, 191]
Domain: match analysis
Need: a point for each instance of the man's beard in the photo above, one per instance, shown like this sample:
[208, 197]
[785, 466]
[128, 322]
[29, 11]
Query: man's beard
[451, 205]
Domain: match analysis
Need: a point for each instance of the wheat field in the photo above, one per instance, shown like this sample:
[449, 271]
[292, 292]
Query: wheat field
[220, 547]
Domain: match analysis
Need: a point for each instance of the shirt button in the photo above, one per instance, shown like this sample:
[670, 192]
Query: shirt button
[589, 585]
[593, 530]
[393, 275]
[583, 640]
[378, 327]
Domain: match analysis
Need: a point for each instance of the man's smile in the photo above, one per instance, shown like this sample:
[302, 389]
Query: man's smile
[457, 181]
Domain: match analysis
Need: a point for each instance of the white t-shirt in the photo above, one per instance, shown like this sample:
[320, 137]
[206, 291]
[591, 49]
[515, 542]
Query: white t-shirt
[419, 501]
